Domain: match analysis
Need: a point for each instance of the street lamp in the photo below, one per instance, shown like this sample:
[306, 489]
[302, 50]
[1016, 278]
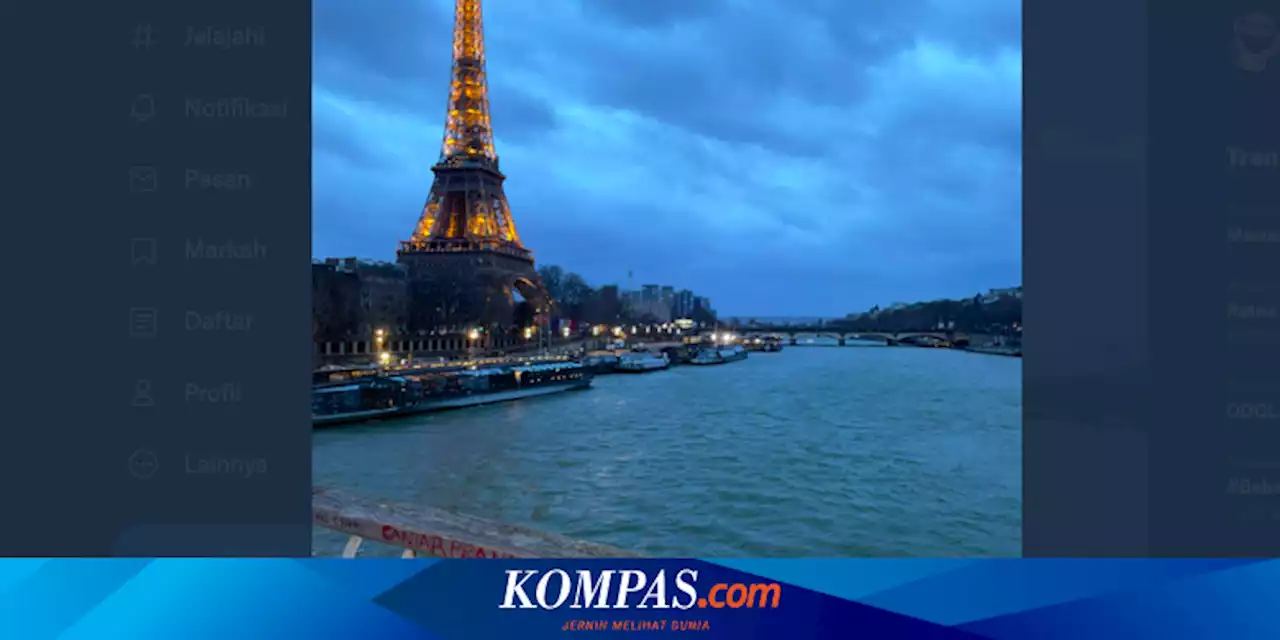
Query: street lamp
[472, 337]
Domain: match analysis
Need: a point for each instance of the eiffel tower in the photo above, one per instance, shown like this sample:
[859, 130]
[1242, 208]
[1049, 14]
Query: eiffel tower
[465, 258]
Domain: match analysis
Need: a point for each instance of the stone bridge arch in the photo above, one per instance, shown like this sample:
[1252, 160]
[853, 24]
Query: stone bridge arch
[918, 335]
[807, 335]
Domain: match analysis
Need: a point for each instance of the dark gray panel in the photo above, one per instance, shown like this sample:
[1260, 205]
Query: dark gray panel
[1151, 182]
[167, 178]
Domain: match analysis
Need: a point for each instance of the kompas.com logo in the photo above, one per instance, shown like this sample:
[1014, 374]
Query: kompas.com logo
[585, 589]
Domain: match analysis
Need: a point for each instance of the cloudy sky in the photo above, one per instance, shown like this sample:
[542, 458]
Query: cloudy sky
[783, 157]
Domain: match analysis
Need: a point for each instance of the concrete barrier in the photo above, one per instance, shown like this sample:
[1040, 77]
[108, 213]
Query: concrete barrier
[428, 531]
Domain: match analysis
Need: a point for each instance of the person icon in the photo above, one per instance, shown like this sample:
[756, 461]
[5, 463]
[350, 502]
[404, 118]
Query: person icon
[142, 394]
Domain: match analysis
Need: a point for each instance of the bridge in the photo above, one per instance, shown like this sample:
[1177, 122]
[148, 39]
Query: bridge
[801, 336]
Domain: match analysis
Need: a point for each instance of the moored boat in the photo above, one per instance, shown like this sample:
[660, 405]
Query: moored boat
[642, 362]
[387, 397]
[767, 344]
[600, 362]
[719, 355]
[367, 399]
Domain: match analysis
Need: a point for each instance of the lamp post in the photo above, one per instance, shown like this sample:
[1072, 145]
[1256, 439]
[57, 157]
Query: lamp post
[379, 339]
[472, 337]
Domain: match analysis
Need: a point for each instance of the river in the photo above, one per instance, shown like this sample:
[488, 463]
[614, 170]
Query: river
[811, 452]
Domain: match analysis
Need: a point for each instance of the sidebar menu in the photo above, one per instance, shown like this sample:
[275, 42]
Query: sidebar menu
[218, 164]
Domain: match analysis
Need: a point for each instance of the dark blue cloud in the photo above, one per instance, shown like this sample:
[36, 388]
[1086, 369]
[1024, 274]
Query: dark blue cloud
[784, 157]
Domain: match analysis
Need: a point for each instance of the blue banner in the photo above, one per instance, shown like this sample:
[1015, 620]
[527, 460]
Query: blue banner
[792, 599]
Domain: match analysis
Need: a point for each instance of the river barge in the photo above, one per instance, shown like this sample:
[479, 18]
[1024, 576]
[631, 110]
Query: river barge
[391, 396]
[719, 355]
[766, 345]
[597, 363]
[642, 361]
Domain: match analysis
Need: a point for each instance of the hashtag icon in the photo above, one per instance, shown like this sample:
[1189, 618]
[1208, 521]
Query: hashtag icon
[142, 37]
[1233, 485]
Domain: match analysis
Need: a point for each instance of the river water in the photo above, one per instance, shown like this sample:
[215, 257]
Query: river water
[811, 452]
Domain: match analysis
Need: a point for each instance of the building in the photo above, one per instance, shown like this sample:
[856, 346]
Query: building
[668, 297]
[651, 311]
[335, 303]
[631, 300]
[606, 307]
[994, 295]
[352, 298]
[684, 304]
[650, 293]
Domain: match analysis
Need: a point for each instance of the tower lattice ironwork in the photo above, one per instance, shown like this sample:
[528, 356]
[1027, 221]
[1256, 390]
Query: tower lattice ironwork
[465, 253]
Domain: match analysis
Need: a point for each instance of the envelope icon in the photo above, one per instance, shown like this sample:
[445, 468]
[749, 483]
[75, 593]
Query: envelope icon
[142, 179]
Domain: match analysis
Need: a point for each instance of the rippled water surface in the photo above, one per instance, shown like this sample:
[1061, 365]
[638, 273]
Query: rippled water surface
[814, 451]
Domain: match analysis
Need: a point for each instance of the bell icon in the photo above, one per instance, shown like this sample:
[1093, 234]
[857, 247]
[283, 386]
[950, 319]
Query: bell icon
[143, 108]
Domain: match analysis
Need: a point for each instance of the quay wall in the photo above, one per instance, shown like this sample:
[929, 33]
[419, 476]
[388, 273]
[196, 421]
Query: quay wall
[450, 347]
[434, 348]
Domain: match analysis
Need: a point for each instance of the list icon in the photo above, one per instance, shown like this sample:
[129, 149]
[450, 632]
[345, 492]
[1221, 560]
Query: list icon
[142, 252]
[142, 179]
[143, 322]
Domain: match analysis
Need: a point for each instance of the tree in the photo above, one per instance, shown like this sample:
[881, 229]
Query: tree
[969, 315]
[576, 295]
[553, 279]
[574, 290]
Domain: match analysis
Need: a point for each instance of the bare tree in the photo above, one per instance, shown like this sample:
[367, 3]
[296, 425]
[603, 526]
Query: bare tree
[553, 280]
